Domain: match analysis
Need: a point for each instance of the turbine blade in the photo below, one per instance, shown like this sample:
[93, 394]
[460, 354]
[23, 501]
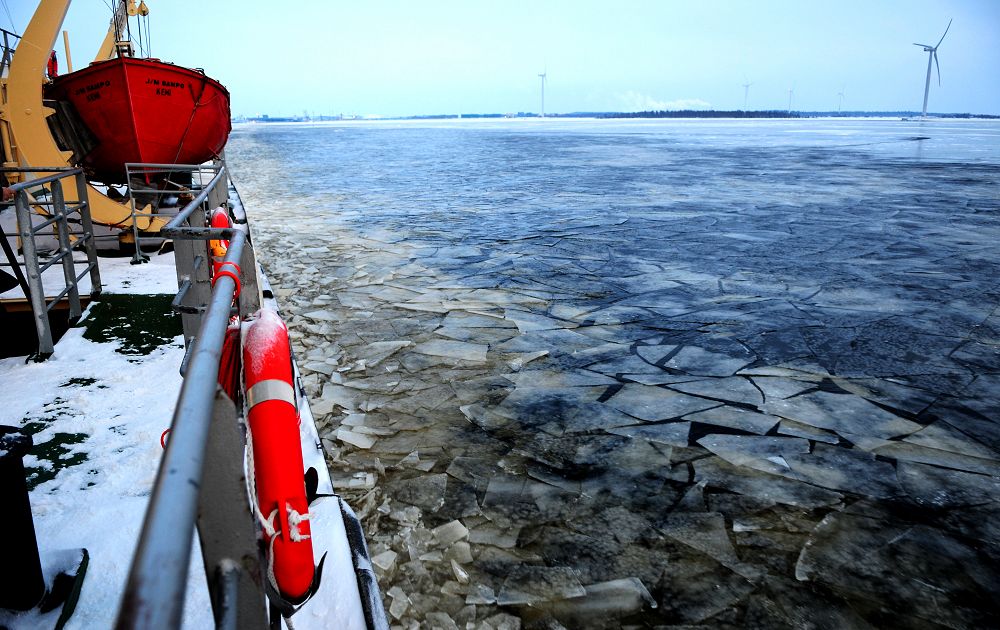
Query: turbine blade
[924, 45]
[945, 33]
[938, 68]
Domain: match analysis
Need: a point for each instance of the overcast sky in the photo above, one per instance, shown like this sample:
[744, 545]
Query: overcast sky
[395, 57]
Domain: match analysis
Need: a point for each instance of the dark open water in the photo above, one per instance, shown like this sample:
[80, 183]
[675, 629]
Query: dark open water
[606, 374]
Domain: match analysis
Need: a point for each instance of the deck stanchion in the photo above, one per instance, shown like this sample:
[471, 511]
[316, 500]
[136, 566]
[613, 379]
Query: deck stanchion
[226, 524]
[27, 590]
[90, 246]
[66, 249]
[37, 297]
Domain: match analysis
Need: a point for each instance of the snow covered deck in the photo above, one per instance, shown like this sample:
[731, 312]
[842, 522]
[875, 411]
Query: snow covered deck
[96, 410]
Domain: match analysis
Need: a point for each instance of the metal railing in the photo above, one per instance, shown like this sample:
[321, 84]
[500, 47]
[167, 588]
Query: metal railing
[53, 212]
[171, 180]
[201, 477]
[10, 41]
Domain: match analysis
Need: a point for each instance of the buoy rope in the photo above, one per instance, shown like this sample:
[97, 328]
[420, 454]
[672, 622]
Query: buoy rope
[295, 519]
[232, 270]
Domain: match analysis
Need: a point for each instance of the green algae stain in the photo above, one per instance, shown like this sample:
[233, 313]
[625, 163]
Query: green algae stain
[138, 323]
[57, 454]
[79, 382]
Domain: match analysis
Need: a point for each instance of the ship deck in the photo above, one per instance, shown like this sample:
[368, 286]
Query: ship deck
[96, 410]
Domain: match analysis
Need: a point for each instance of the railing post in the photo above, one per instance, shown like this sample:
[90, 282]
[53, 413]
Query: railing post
[137, 256]
[225, 521]
[154, 593]
[66, 249]
[250, 297]
[88, 233]
[37, 297]
[220, 194]
[192, 262]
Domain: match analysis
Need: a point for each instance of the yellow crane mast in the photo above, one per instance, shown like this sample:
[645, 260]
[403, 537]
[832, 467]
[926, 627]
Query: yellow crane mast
[24, 132]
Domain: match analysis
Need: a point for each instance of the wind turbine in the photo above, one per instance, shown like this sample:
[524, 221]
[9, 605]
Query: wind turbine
[840, 95]
[746, 91]
[932, 55]
[791, 91]
[542, 76]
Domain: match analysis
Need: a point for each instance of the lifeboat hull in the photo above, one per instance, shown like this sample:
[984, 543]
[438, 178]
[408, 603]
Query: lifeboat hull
[145, 110]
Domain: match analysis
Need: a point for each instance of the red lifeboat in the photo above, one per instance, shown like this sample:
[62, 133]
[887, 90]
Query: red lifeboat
[146, 110]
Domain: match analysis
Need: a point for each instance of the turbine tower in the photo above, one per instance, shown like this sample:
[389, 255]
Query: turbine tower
[746, 91]
[542, 76]
[932, 56]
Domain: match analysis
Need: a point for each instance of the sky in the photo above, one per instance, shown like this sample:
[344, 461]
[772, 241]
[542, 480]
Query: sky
[397, 58]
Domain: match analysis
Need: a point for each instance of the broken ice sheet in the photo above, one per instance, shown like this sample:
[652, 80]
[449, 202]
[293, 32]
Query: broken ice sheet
[672, 433]
[684, 585]
[449, 533]
[528, 321]
[533, 405]
[766, 454]
[360, 440]
[843, 413]
[846, 470]
[777, 387]
[480, 594]
[465, 319]
[718, 473]
[889, 393]
[490, 534]
[735, 418]
[734, 388]
[518, 360]
[486, 418]
[528, 585]
[385, 561]
[603, 601]
[832, 467]
[323, 316]
[378, 351]
[490, 336]
[557, 379]
[868, 554]
[587, 417]
[628, 364]
[797, 429]
[340, 396]
[707, 533]
[453, 350]
[784, 603]
[943, 436]
[425, 492]
[922, 454]
[701, 362]
[655, 403]
[475, 471]
[942, 487]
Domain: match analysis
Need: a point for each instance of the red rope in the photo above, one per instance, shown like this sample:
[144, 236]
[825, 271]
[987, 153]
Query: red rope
[229, 363]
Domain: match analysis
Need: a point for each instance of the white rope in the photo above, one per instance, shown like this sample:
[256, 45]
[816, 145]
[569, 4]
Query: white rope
[295, 519]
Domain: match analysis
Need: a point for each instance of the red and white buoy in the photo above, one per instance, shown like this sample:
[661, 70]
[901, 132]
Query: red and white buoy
[281, 503]
[218, 247]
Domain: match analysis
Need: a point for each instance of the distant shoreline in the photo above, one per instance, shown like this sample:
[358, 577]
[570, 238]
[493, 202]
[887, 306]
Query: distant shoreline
[711, 113]
[784, 114]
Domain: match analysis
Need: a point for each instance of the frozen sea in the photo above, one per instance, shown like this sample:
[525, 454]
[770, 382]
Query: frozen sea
[649, 373]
